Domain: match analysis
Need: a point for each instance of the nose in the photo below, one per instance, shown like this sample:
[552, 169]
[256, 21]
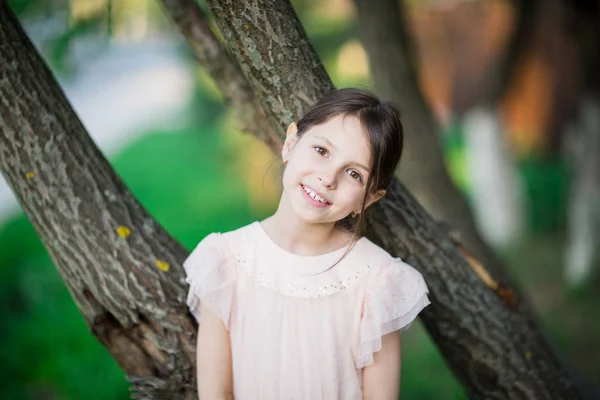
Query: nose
[328, 178]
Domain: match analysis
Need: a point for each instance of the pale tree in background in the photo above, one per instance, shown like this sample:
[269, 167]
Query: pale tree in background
[579, 22]
[481, 78]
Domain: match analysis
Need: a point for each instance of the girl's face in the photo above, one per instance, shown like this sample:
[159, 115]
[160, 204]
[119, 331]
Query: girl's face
[327, 170]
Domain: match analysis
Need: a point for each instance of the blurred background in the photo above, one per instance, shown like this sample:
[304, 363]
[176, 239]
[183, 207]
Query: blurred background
[528, 164]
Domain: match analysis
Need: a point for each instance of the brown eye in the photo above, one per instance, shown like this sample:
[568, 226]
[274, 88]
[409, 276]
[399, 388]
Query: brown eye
[355, 175]
[321, 150]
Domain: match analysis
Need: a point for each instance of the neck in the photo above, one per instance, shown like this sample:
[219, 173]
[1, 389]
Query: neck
[300, 237]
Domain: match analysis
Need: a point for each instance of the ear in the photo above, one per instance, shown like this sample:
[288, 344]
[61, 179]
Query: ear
[374, 197]
[291, 138]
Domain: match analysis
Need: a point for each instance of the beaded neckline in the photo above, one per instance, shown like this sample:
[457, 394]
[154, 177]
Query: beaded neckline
[299, 276]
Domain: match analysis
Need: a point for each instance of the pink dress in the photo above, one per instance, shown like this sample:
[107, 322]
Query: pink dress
[296, 333]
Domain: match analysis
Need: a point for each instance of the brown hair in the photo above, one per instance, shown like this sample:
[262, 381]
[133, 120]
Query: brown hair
[381, 123]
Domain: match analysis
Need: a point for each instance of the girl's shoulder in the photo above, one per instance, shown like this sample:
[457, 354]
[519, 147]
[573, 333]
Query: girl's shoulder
[386, 270]
[220, 247]
[365, 252]
[211, 272]
[229, 240]
[394, 294]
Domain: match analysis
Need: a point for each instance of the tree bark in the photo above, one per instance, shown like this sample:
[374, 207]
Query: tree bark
[194, 27]
[487, 334]
[113, 257]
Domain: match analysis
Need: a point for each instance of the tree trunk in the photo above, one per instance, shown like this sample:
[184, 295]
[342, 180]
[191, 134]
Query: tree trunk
[584, 211]
[581, 21]
[236, 91]
[121, 280]
[478, 82]
[113, 257]
[422, 168]
[494, 183]
[487, 334]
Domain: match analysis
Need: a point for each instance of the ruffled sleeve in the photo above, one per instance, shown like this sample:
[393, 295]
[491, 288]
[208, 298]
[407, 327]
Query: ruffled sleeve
[392, 301]
[210, 273]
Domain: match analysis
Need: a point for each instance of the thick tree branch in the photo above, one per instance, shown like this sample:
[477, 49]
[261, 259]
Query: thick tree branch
[194, 27]
[489, 339]
[124, 271]
[121, 267]
[520, 37]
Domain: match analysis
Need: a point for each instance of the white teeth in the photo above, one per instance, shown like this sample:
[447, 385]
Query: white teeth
[312, 194]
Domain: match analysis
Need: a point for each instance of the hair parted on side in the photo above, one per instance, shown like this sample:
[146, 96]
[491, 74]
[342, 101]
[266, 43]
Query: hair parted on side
[382, 126]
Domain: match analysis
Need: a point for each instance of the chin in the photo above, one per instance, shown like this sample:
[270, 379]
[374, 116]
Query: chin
[309, 217]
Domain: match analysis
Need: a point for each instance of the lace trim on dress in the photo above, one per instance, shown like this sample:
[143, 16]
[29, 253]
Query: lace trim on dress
[392, 303]
[211, 277]
[291, 280]
[292, 283]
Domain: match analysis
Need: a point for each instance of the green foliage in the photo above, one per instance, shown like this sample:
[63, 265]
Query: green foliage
[27, 8]
[48, 351]
[58, 56]
[421, 360]
[547, 188]
[184, 178]
[453, 144]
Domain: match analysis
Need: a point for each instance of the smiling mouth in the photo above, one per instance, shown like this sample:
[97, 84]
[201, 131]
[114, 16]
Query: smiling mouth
[314, 195]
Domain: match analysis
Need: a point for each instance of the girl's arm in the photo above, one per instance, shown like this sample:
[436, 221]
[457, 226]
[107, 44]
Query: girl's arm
[381, 380]
[213, 358]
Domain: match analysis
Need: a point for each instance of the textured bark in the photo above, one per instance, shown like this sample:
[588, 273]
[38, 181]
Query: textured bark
[193, 25]
[76, 203]
[137, 310]
[286, 82]
[486, 333]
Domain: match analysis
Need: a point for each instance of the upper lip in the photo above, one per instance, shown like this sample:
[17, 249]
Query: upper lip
[318, 193]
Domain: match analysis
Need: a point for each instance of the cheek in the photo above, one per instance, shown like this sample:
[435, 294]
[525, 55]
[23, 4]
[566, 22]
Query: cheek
[292, 174]
[287, 175]
[352, 194]
[299, 164]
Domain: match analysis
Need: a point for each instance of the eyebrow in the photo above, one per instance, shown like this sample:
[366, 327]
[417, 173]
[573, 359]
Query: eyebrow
[332, 145]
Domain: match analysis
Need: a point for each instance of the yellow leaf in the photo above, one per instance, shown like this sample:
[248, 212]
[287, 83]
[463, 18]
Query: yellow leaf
[30, 175]
[162, 265]
[528, 354]
[123, 231]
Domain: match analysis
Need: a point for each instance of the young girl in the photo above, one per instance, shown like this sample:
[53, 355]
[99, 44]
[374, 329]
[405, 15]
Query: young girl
[299, 306]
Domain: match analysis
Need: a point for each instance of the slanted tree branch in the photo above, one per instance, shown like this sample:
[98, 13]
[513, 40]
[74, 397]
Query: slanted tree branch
[194, 26]
[121, 267]
[124, 271]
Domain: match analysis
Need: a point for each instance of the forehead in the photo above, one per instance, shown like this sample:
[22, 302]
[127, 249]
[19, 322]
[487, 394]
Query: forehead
[348, 136]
